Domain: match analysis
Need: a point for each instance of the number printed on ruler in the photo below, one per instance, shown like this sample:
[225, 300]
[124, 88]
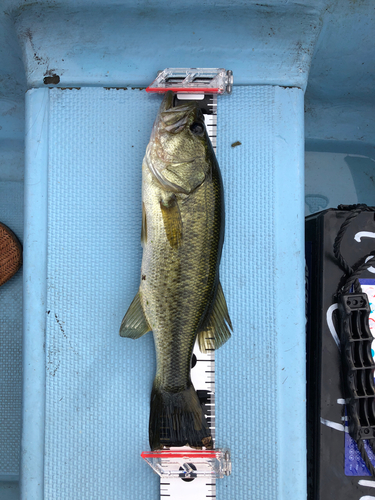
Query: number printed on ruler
[203, 379]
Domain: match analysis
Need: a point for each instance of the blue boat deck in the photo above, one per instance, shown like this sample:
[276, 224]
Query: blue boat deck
[70, 157]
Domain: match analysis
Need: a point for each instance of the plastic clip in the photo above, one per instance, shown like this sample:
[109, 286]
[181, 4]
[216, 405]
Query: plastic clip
[358, 364]
[189, 463]
[193, 80]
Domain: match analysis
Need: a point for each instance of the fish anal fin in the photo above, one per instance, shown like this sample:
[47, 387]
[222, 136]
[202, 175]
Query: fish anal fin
[172, 221]
[134, 324]
[217, 327]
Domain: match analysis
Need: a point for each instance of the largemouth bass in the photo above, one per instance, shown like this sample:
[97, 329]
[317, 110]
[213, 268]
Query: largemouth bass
[180, 296]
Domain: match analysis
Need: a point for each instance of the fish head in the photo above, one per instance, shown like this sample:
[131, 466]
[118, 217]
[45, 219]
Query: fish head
[179, 150]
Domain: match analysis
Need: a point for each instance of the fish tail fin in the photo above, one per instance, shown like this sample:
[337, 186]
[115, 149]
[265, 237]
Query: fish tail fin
[177, 419]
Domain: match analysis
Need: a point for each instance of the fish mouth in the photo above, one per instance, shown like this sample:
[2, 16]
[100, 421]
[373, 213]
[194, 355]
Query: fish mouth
[167, 102]
[168, 106]
[174, 118]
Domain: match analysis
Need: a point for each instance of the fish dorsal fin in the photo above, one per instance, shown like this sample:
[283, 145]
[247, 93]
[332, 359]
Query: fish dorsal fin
[144, 225]
[216, 329]
[172, 221]
[134, 324]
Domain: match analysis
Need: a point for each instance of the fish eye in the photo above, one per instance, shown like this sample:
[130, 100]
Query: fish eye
[197, 128]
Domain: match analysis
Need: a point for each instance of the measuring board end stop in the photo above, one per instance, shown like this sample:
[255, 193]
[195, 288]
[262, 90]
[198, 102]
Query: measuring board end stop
[189, 463]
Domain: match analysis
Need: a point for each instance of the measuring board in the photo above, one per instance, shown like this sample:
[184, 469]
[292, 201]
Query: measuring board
[176, 466]
[203, 365]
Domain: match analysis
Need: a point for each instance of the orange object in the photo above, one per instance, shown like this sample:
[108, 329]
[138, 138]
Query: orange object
[10, 254]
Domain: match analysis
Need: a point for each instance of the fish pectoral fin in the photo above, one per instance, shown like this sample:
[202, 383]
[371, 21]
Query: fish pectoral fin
[217, 327]
[185, 176]
[144, 225]
[134, 324]
[172, 221]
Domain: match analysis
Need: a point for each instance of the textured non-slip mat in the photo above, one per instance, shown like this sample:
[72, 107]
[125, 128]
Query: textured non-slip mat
[11, 214]
[98, 384]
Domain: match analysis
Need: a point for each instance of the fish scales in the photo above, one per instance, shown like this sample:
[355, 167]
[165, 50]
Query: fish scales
[178, 283]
